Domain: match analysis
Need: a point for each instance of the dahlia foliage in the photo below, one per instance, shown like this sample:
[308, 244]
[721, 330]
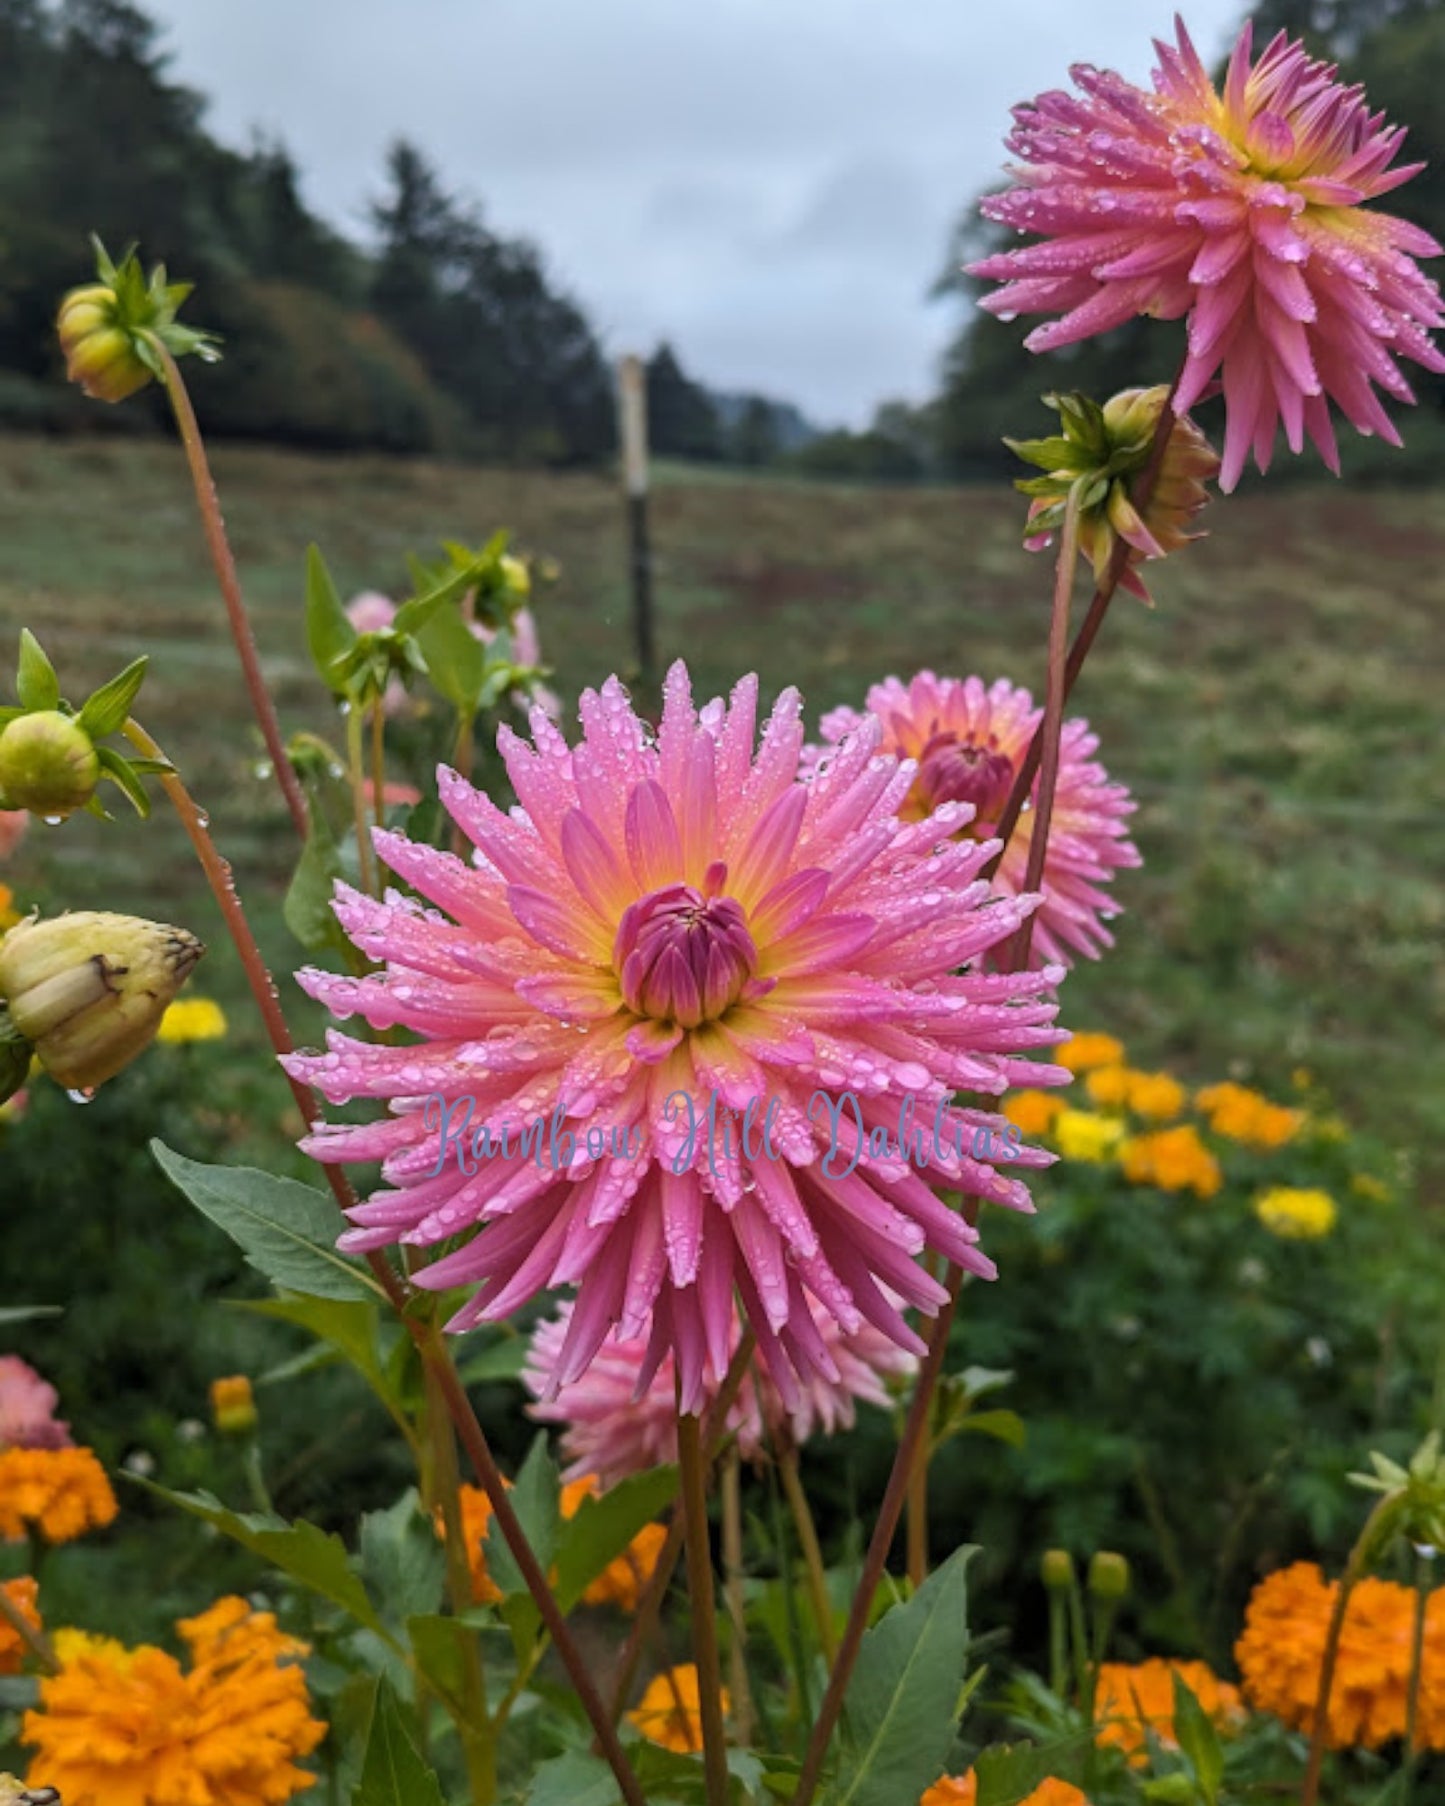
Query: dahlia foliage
[968, 740]
[1242, 210]
[656, 964]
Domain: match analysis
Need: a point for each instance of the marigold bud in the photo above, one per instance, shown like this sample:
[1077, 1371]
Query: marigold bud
[1108, 1575]
[1057, 1570]
[48, 763]
[88, 990]
[233, 1406]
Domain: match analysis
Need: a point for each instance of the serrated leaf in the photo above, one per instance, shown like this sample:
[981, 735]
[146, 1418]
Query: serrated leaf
[345, 1328]
[1007, 1773]
[286, 1230]
[402, 1560]
[118, 769]
[535, 1498]
[898, 1714]
[105, 710]
[414, 614]
[1198, 1740]
[601, 1528]
[36, 684]
[307, 909]
[313, 1556]
[392, 1771]
[329, 633]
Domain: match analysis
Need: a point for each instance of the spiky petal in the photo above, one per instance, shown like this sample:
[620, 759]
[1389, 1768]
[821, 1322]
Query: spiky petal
[1242, 210]
[799, 939]
[969, 739]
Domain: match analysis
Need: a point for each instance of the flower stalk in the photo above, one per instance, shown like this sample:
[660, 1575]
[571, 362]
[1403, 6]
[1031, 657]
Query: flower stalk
[787, 1455]
[34, 1639]
[704, 1608]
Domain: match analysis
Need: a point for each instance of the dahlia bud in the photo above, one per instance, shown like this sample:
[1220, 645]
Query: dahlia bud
[1056, 1570]
[109, 329]
[1096, 458]
[516, 578]
[683, 957]
[233, 1406]
[1108, 1575]
[88, 990]
[48, 763]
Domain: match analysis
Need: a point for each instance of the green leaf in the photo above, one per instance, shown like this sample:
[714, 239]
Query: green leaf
[1008, 1773]
[456, 659]
[534, 1497]
[36, 684]
[346, 1325]
[439, 1645]
[1005, 1426]
[392, 1771]
[603, 1527]
[402, 1560]
[307, 909]
[312, 1556]
[574, 1780]
[118, 769]
[105, 710]
[898, 1715]
[22, 1313]
[286, 1230]
[328, 632]
[1198, 1740]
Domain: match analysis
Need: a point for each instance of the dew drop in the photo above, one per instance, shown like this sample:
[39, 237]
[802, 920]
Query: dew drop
[82, 1094]
[53, 821]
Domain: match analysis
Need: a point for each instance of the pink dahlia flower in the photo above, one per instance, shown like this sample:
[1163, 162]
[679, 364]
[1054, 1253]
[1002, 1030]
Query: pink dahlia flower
[13, 823]
[611, 1430]
[27, 1409]
[968, 742]
[625, 1013]
[370, 611]
[1243, 210]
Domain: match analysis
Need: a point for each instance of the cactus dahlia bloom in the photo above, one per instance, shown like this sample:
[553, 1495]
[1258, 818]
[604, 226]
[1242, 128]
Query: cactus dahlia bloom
[968, 741]
[27, 1409]
[626, 1009]
[1243, 210]
[611, 1429]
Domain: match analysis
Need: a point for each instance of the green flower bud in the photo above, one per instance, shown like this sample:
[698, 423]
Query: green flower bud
[1108, 1575]
[48, 764]
[1057, 1570]
[88, 990]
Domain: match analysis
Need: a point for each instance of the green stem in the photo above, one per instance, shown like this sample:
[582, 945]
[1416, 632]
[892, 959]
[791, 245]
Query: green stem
[214, 526]
[356, 776]
[378, 777]
[693, 1475]
[1354, 1569]
[787, 1455]
[1058, 1649]
[256, 1475]
[732, 1542]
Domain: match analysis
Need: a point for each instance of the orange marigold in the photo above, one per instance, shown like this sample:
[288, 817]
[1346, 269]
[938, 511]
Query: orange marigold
[962, 1790]
[1033, 1113]
[621, 1582]
[476, 1526]
[13, 1647]
[62, 1493]
[120, 1727]
[1173, 1159]
[668, 1712]
[1240, 1114]
[1136, 1700]
[1282, 1647]
[1084, 1052]
[1152, 1094]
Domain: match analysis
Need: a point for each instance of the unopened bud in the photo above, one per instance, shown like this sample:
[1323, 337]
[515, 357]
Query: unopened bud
[48, 763]
[233, 1406]
[88, 990]
[516, 578]
[1057, 1570]
[1108, 1575]
[100, 354]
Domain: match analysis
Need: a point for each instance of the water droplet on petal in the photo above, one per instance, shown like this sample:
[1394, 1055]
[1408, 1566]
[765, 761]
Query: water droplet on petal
[82, 1095]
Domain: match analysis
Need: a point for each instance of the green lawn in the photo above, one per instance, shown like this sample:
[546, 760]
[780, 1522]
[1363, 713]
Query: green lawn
[1277, 715]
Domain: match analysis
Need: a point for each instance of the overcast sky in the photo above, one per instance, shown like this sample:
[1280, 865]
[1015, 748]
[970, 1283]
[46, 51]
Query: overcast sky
[768, 183]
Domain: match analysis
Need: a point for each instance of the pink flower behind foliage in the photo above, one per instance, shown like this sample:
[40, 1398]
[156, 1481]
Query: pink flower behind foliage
[13, 823]
[1242, 210]
[370, 611]
[610, 1431]
[969, 741]
[660, 919]
[27, 1409]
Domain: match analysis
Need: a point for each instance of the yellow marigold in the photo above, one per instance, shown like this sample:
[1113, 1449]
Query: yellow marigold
[1294, 1214]
[962, 1790]
[62, 1493]
[1282, 1646]
[1152, 1094]
[13, 1648]
[1173, 1159]
[192, 1019]
[621, 1582]
[1136, 1700]
[1240, 1114]
[1080, 1135]
[141, 1731]
[1366, 1185]
[668, 1712]
[1033, 1113]
[1084, 1052]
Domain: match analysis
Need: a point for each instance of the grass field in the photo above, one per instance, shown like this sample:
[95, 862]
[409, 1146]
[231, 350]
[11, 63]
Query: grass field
[1278, 715]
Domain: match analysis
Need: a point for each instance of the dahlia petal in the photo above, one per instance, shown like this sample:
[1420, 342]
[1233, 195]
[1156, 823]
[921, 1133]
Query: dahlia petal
[653, 844]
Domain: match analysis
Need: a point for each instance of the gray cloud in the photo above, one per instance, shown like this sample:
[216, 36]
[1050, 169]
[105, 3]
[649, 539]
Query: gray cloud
[768, 182]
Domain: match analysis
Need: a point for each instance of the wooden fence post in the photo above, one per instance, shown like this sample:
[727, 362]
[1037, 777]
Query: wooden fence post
[632, 413]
